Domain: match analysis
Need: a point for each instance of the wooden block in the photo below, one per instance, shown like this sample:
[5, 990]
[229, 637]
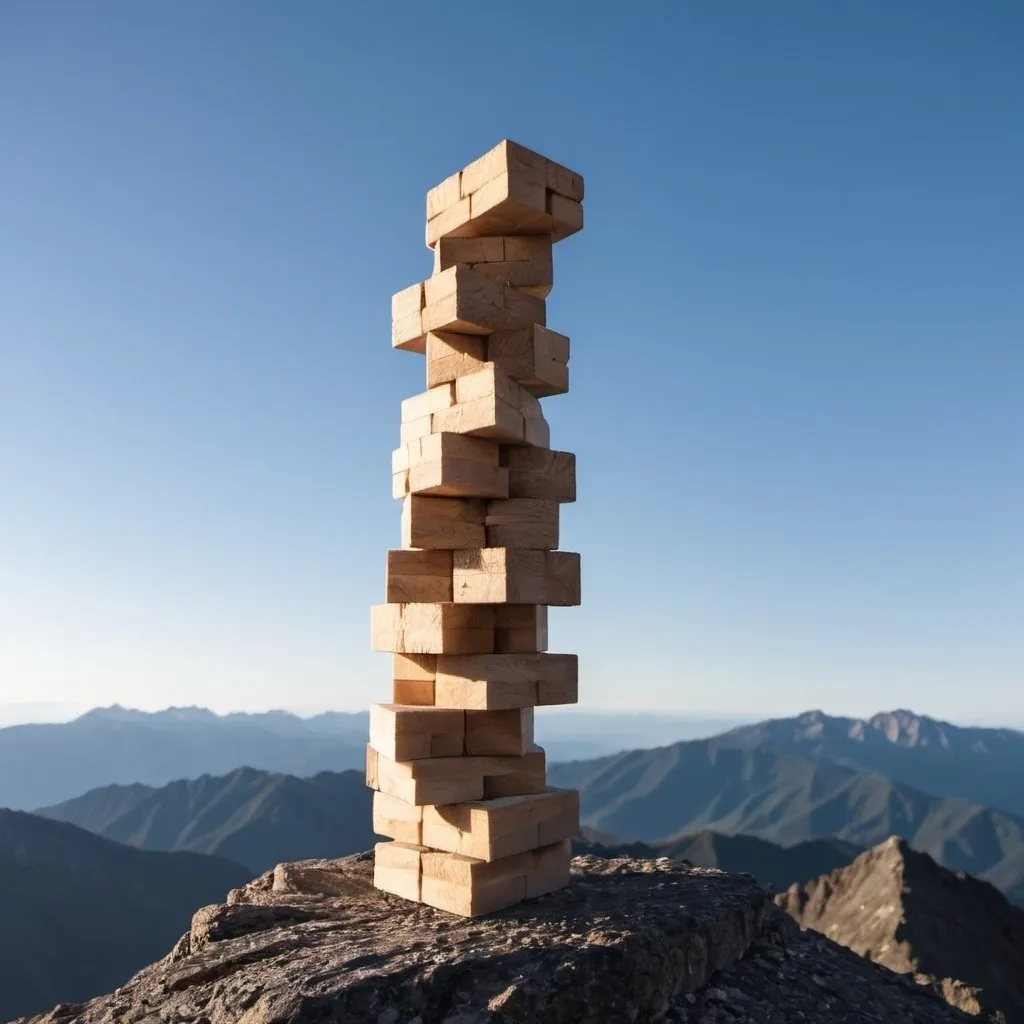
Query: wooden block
[518, 629]
[413, 691]
[450, 465]
[516, 576]
[566, 216]
[522, 523]
[419, 576]
[450, 356]
[473, 900]
[445, 195]
[414, 668]
[436, 523]
[495, 681]
[432, 629]
[533, 356]
[406, 320]
[491, 829]
[415, 429]
[464, 301]
[549, 868]
[434, 780]
[529, 776]
[397, 819]
[451, 221]
[402, 732]
[484, 417]
[539, 473]
[565, 182]
[523, 261]
[396, 869]
[506, 733]
[506, 157]
[423, 405]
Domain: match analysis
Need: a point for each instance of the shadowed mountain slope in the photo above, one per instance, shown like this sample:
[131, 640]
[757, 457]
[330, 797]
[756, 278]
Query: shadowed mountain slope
[255, 818]
[979, 765]
[673, 791]
[904, 911]
[82, 914]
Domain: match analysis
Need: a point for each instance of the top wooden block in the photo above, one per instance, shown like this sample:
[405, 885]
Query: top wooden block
[510, 190]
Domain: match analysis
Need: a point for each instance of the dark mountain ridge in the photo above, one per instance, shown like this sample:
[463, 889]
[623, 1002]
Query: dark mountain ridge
[81, 913]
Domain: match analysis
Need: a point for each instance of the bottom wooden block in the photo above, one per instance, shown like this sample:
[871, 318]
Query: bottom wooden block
[467, 886]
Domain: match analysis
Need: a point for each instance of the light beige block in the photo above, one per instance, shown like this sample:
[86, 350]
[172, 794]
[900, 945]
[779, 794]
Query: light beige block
[506, 733]
[450, 465]
[442, 197]
[464, 301]
[436, 523]
[522, 523]
[507, 157]
[432, 629]
[402, 732]
[516, 576]
[497, 681]
[435, 780]
[566, 216]
[413, 691]
[414, 668]
[450, 221]
[533, 356]
[418, 576]
[491, 829]
[396, 819]
[396, 869]
[523, 261]
[473, 900]
[413, 430]
[528, 776]
[483, 417]
[431, 401]
[408, 333]
[539, 473]
[518, 629]
[450, 356]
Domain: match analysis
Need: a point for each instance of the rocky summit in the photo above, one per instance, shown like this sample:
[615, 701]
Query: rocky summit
[628, 940]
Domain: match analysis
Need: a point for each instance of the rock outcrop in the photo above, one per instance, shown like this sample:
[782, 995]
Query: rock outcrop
[628, 940]
[901, 909]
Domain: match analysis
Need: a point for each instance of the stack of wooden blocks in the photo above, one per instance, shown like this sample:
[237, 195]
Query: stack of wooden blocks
[461, 788]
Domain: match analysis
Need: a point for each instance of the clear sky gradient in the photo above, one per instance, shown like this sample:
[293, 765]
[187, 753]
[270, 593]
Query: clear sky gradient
[796, 313]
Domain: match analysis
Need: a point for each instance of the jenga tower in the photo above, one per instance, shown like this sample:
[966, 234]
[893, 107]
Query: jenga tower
[461, 788]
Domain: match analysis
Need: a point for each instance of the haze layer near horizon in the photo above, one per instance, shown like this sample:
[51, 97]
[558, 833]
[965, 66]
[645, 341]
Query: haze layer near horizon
[795, 314]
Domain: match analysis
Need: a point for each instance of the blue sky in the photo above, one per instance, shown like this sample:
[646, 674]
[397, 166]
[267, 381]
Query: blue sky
[796, 314]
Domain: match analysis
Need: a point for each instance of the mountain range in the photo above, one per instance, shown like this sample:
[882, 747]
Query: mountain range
[48, 763]
[81, 914]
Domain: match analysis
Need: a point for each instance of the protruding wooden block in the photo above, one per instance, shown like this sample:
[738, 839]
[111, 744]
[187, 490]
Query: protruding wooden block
[397, 819]
[442, 523]
[428, 402]
[518, 629]
[442, 197]
[534, 356]
[522, 261]
[407, 320]
[549, 868]
[413, 668]
[396, 869]
[483, 682]
[539, 473]
[491, 829]
[419, 576]
[450, 356]
[445, 780]
[405, 733]
[522, 523]
[433, 780]
[511, 191]
[464, 301]
[432, 629]
[516, 576]
[506, 733]
[419, 692]
[449, 465]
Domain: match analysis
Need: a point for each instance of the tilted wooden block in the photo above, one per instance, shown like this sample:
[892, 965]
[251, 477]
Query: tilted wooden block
[511, 191]
[508, 732]
[539, 473]
[405, 733]
[449, 465]
[396, 869]
[522, 523]
[495, 681]
[518, 629]
[432, 629]
[533, 356]
[396, 819]
[488, 403]
[491, 829]
[445, 780]
[419, 576]
[522, 261]
[465, 301]
[442, 523]
[407, 319]
[516, 576]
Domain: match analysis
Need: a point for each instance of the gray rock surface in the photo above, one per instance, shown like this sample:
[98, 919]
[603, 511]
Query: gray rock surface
[629, 940]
